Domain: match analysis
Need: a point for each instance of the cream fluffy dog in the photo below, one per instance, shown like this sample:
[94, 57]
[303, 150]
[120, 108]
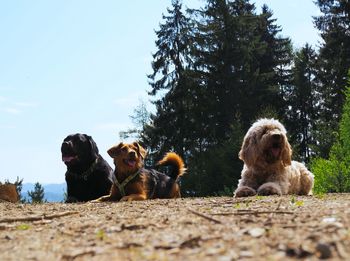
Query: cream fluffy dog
[268, 169]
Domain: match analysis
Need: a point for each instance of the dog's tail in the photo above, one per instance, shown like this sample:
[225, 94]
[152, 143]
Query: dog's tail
[174, 160]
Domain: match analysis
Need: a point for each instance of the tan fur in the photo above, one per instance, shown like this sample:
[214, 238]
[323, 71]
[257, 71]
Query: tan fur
[175, 160]
[9, 193]
[268, 168]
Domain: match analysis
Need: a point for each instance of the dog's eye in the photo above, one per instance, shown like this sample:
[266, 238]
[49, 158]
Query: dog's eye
[263, 132]
[124, 149]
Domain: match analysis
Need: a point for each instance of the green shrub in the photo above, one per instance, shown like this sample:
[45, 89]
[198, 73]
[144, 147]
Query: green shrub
[333, 174]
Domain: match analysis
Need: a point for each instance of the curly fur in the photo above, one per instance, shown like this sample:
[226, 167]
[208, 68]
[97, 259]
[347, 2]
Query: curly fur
[268, 168]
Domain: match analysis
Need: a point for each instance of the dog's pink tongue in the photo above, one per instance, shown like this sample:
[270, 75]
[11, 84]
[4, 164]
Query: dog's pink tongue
[131, 163]
[68, 158]
[276, 151]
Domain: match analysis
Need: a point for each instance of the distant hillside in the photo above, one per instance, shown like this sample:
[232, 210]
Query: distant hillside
[53, 192]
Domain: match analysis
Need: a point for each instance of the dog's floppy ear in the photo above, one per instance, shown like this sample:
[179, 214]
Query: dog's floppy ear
[94, 149]
[140, 150]
[287, 153]
[248, 150]
[115, 150]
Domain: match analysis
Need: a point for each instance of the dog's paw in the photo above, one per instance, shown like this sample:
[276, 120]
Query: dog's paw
[269, 189]
[125, 198]
[244, 192]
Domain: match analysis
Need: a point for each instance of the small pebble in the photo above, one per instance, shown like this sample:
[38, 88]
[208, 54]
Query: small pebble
[256, 232]
[323, 251]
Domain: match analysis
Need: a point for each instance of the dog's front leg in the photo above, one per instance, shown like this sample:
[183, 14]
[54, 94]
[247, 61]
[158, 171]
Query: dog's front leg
[270, 188]
[102, 199]
[247, 184]
[277, 184]
[111, 197]
[244, 191]
[134, 197]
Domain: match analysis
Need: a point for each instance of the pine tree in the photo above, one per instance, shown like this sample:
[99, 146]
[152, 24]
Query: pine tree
[170, 128]
[216, 169]
[140, 119]
[244, 61]
[37, 195]
[245, 66]
[268, 74]
[222, 53]
[173, 47]
[333, 63]
[216, 71]
[302, 98]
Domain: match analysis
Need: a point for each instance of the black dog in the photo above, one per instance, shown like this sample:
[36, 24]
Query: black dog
[88, 175]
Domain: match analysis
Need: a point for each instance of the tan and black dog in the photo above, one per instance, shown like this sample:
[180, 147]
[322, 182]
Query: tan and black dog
[133, 182]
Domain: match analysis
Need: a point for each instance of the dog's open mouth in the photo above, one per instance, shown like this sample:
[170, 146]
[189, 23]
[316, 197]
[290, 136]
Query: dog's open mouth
[68, 159]
[275, 150]
[130, 162]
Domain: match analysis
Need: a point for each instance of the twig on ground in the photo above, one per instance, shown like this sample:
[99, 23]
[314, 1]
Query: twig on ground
[279, 204]
[235, 200]
[41, 217]
[78, 254]
[191, 243]
[340, 249]
[251, 212]
[128, 245]
[204, 216]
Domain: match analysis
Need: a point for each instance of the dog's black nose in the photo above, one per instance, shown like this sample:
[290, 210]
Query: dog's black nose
[132, 154]
[66, 146]
[276, 136]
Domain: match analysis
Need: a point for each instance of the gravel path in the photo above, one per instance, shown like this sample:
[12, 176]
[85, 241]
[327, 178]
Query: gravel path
[216, 228]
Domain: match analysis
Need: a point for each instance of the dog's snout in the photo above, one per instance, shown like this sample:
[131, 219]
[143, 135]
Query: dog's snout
[132, 154]
[276, 136]
[65, 145]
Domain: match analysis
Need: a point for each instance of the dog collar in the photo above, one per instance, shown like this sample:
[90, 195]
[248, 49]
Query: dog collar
[122, 185]
[85, 174]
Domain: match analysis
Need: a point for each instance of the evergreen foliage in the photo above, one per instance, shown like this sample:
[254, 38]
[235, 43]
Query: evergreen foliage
[219, 68]
[140, 118]
[303, 100]
[37, 195]
[168, 130]
[333, 175]
[333, 64]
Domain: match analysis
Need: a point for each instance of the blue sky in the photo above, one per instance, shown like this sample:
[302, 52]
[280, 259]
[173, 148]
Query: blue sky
[80, 66]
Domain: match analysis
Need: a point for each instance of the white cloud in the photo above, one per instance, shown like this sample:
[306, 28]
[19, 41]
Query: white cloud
[131, 100]
[6, 88]
[26, 104]
[12, 110]
[15, 108]
[7, 127]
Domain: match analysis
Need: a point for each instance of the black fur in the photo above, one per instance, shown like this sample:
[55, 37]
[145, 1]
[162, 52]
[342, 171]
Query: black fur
[159, 184]
[88, 175]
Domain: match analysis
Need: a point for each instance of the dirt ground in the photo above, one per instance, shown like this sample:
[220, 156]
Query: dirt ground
[216, 228]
